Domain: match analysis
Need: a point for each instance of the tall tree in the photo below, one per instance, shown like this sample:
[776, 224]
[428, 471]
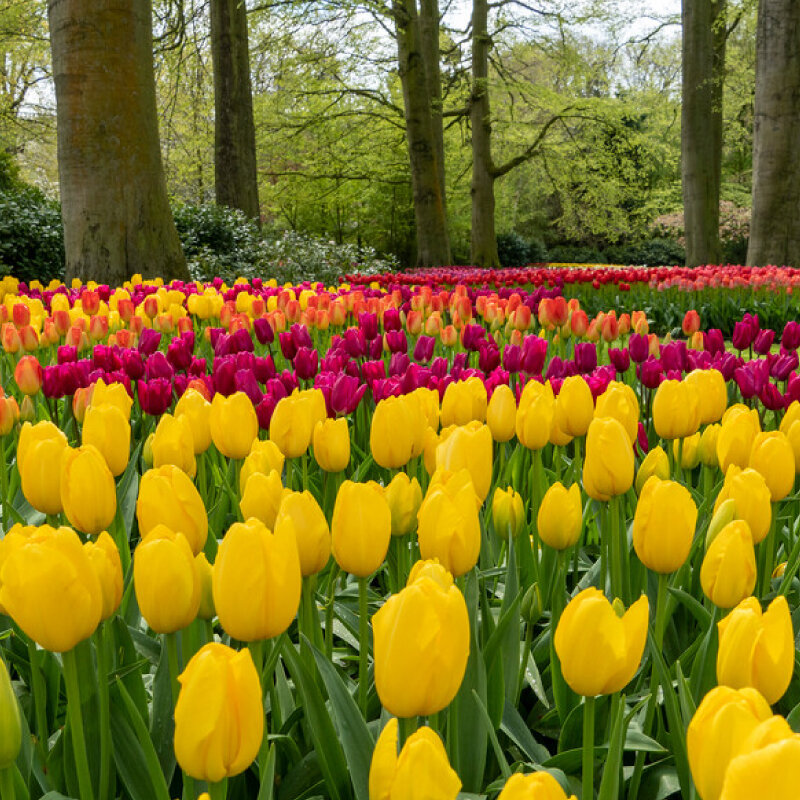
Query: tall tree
[234, 130]
[704, 36]
[117, 219]
[427, 173]
[775, 225]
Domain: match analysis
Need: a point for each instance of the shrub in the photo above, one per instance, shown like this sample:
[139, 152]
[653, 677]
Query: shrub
[575, 254]
[512, 250]
[656, 252]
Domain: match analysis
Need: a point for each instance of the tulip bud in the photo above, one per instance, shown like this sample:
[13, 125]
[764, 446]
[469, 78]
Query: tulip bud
[728, 573]
[536, 786]
[10, 721]
[469, 446]
[263, 457]
[393, 432]
[233, 424]
[107, 428]
[724, 513]
[27, 411]
[676, 412]
[735, 440]
[619, 402]
[28, 375]
[114, 394]
[206, 573]
[361, 527]
[663, 525]
[88, 491]
[532, 606]
[331, 441]
[508, 512]
[257, 580]
[654, 463]
[535, 415]
[40, 447]
[599, 651]
[262, 497]
[310, 528]
[404, 497]
[423, 754]
[429, 609]
[197, 411]
[222, 687]
[560, 516]
[166, 580]
[751, 493]
[173, 444]
[574, 406]
[773, 457]
[707, 447]
[757, 650]
[464, 401]
[501, 413]
[608, 466]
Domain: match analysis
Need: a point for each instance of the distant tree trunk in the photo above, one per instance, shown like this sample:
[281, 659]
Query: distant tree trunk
[775, 225]
[433, 244]
[484, 241]
[234, 130]
[117, 219]
[704, 38]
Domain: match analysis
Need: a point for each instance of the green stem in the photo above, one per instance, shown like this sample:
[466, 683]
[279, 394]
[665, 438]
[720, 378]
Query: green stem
[407, 726]
[588, 749]
[76, 725]
[329, 612]
[679, 463]
[101, 645]
[218, 791]
[768, 548]
[363, 648]
[189, 792]
[7, 783]
[661, 610]
[39, 698]
[171, 643]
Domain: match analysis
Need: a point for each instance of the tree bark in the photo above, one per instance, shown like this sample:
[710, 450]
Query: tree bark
[433, 244]
[483, 240]
[234, 129]
[117, 219]
[775, 225]
[704, 38]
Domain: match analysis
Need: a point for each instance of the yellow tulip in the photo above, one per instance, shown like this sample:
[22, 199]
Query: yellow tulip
[173, 444]
[501, 413]
[464, 401]
[361, 528]
[10, 721]
[757, 649]
[49, 588]
[469, 447]
[166, 580]
[293, 421]
[718, 732]
[608, 466]
[88, 492]
[560, 516]
[404, 496]
[310, 527]
[206, 574]
[107, 428]
[508, 512]
[197, 411]
[219, 716]
[113, 394]
[735, 439]
[392, 432]
[428, 400]
[574, 406]
[790, 428]
[429, 444]
[663, 525]
[599, 651]
[712, 394]
[233, 424]
[688, 449]
[748, 489]
[421, 630]
[676, 412]
[707, 448]
[104, 558]
[257, 580]
[262, 497]
[264, 457]
[422, 766]
[536, 786]
[728, 573]
[448, 525]
[619, 402]
[535, 415]
[654, 463]
[39, 453]
[773, 457]
[332, 444]
[167, 496]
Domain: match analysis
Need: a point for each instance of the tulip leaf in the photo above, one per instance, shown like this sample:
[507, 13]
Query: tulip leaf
[493, 740]
[128, 491]
[267, 789]
[659, 782]
[353, 732]
[332, 761]
[162, 724]
[55, 796]
[517, 730]
[610, 783]
[696, 609]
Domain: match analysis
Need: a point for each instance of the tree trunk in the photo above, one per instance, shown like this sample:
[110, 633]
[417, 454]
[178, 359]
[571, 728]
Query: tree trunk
[117, 219]
[433, 245]
[234, 130]
[775, 225]
[484, 241]
[704, 39]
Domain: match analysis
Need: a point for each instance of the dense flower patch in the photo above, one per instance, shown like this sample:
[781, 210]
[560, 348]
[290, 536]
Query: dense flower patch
[396, 539]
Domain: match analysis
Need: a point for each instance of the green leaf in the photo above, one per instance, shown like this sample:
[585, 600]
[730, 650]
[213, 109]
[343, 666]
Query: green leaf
[610, 783]
[517, 730]
[353, 732]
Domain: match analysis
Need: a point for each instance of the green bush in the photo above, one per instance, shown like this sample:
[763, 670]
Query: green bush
[31, 235]
[512, 249]
[575, 254]
[656, 252]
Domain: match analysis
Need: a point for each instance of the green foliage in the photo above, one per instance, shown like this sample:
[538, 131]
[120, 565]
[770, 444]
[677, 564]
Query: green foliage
[31, 235]
[512, 249]
[575, 254]
[656, 252]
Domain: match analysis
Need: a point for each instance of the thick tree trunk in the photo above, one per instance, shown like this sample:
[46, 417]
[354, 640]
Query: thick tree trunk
[234, 129]
[484, 241]
[775, 225]
[117, 219]
[704, 38]
[433, 245]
